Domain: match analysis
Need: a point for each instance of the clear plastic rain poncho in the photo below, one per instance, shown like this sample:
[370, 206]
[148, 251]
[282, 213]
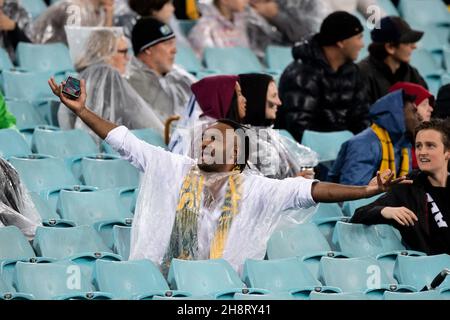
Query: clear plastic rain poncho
[49, 27]
[108, 93]
[16, 206]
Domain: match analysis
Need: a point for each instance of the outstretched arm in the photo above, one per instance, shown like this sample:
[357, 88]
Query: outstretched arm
[331, 192]
[100, 126]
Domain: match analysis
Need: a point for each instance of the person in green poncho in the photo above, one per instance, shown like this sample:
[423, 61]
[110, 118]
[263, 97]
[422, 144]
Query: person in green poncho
[7, 120]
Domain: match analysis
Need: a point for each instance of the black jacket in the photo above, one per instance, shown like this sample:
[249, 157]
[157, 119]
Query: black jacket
[413, 197]
[315, 97]
[380, 78]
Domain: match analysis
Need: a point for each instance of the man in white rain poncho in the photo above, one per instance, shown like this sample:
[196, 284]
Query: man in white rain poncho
[101, 57]
[208, 209]
[16, 206]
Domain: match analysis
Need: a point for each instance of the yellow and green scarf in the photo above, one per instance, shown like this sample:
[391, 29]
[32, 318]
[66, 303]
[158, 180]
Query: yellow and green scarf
[184, 238]
[388, 154]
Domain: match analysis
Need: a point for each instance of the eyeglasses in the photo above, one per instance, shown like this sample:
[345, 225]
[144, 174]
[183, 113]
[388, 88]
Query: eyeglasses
[123, 51]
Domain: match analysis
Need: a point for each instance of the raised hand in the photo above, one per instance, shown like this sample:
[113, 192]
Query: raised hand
[384, 181]
[78, 105]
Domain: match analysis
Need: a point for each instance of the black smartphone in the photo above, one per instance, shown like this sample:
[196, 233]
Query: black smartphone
[72, 88]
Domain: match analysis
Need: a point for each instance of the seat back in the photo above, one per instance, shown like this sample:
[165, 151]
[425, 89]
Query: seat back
[186, 58]
[44, 57]
[64, 243]
[203, 277]
[29, 86]
[41, 173]
[278, 275]
[232, 60]
[278, 58]
[359, 240]
[34, 7]
[122, 239]
[12, 143]
[326, 144]
[14, 245]
[27, 116]
[420, 271]
[126, 279]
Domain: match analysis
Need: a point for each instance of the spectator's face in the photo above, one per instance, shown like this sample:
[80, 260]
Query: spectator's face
[424, 109]
[236, 5]
[272, 101]
[403, 52]
[241, 101]
[119, 60]
[166, 12]
[162, 56]
[430, 151]
[352, 46]
[219, 151]
[412, 118]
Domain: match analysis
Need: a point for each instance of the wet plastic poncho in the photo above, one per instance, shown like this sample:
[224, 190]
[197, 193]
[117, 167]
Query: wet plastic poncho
[16, 206]
[108, 93]
[49, 27]
[276, 156]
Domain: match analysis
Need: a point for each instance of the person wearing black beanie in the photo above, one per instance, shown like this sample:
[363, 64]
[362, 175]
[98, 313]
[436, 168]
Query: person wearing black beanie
[322, 90]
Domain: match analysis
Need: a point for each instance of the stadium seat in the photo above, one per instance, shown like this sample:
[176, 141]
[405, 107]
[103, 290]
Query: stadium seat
[128, 196]
[338, 296]
[63, 144]
[358, 275]
[5, 60]
[186, 25]
[29, 86]
[232, 60]
[132, 280]
[60, 281]
[51, 196]
[388, 7]
[420, 271]
[27, 116]
[79, 244]
[378, 241]
[54, 57]
[12, 143]
[40, 173]
[48, 215]
[213, 279]
[425, 295]
[187, 59]
[101, 209]
[7, 292]
[349, 207]
[278, 58]
[304, 241]
[287, 276]
[420, 12]
[34, 7]
[121, 240]
[107, 171]
[326, 144]
[286, 134]
[327, 211]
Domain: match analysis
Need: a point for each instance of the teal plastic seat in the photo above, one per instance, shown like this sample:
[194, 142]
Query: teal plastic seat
[388, 7]
[12, 143]
[132, 280]
[326, 144]
[34, 7]
[379, 241]
[63, 144]
[60, 281]
[232, 60]
[41, 173]
[304, 241]
[101, 209]
[186, 25]
[338, 296]
[29, 86]
[5, 60]
[358, 275]
[79, 244]
[211, 279]
[349, 207]
[286, 276]
[27, 116]
[148, 135]
[278, 58]
[108, 171]
[48, 215]
[326, 211]
[425, 295]
[186, 58]
[420, 12]
[122, 240]
[286, 134]
[420, 271]
[53, 57]
[7, 292]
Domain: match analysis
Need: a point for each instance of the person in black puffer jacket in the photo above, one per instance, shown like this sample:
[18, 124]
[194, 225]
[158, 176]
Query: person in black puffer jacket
[322, 89]
[421, 210]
